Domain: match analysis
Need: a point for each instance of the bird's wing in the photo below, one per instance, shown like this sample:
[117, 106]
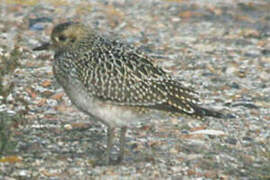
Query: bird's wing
[124, 76]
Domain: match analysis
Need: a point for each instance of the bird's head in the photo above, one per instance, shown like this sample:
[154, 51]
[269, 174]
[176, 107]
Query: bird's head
[63, 36]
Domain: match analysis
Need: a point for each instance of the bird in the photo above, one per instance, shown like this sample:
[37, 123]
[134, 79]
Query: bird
[115, 82]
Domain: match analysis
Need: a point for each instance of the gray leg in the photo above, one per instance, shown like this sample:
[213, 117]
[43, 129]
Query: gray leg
[109, 143]
[122, 143]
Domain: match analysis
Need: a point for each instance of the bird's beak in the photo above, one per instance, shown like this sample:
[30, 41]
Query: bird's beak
[44, 46]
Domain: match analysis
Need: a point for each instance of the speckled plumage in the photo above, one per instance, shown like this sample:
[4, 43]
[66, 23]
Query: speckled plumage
[115, 82]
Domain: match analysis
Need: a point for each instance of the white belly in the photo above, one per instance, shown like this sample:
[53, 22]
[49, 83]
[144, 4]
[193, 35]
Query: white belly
[111, 115]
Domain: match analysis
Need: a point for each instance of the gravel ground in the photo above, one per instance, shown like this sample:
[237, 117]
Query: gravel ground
[221, 48]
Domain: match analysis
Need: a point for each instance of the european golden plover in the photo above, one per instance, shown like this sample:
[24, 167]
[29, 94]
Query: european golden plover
[114, 82]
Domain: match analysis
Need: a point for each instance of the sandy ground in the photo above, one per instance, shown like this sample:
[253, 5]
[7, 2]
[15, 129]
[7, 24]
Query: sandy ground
[220, 48]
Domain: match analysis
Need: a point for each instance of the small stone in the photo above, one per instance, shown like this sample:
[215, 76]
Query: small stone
[68, 127]
[209, 132]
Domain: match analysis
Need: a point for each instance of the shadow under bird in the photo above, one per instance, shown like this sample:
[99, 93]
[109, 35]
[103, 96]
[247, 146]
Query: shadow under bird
[114, 82]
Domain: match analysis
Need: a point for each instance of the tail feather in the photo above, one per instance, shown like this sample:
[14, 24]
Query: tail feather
[208, 112]
[183, 100]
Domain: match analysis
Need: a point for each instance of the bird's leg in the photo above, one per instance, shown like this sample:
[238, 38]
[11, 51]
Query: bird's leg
[122, 143]
[109, 143]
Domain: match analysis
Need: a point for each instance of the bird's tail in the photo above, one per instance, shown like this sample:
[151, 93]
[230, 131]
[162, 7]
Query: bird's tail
[209, 112]
[201, 111]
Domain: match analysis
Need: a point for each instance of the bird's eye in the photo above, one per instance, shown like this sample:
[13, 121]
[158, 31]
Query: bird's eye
[62, 38]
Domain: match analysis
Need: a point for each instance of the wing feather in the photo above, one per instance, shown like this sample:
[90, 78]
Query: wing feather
[124, 76]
